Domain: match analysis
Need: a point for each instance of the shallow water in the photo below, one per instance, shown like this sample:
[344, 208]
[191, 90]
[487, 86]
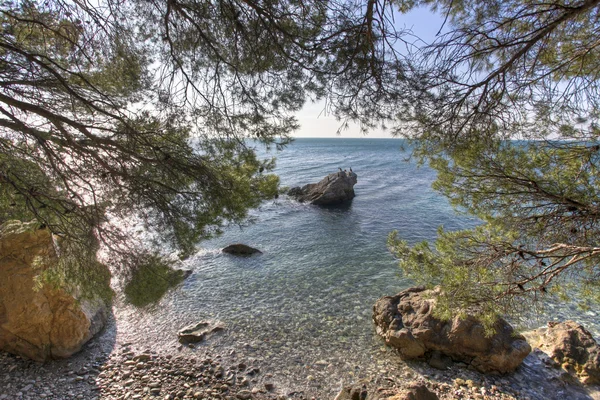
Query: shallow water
[303, 307]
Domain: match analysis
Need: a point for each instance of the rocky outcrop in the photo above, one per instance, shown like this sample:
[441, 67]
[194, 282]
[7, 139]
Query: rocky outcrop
[239, 249]
[572, 348]
[198, 332]
[41, 320]
[335, 188]
[406, 322]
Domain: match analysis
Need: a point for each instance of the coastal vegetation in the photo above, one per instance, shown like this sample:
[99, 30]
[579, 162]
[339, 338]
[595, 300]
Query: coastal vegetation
[510, 122]
[129, 120]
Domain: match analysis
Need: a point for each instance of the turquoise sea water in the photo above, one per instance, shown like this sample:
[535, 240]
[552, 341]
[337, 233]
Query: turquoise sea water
[303, 307]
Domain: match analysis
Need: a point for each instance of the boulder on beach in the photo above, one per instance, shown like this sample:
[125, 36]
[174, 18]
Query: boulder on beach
[335, 188]
[572, 348]
[239, 249]
[38, 319]
[197, 332]
[406, 322]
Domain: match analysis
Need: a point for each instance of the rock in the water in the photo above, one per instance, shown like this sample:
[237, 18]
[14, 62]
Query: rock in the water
[198, 332]
[571, 346]
[239, 249]
[335, 188]
[150, 281]
[42, 321]
[406, 322]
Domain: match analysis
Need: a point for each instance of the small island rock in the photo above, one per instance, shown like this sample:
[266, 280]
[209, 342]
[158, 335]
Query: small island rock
[406, 322]
[335, 188]
[239, 249]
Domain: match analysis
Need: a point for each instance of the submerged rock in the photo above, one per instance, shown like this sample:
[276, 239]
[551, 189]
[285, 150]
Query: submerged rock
[151, 280]
[198, 332]
[335, 188]
[406, 322]
[571, 347]
[38, 319]
[239, 249]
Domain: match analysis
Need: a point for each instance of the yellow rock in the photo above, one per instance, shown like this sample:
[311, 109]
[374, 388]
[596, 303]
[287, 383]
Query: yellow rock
[40, 321]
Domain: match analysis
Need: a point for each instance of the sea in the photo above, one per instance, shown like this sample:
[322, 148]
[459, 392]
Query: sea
[303, 307]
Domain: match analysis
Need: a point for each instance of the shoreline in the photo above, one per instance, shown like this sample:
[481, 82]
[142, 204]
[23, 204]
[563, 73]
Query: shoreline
[110, 367]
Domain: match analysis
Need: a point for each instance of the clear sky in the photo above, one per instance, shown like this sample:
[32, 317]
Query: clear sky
[314, 121]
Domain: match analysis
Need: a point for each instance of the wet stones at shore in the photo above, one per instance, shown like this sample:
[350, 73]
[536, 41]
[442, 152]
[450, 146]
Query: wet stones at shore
[406, 322]
[80, 379]
[334, 189]
[239, 249]
[571, 347]
[199, 331]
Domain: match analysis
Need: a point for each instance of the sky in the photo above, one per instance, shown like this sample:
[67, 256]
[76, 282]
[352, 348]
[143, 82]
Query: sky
[315, 122]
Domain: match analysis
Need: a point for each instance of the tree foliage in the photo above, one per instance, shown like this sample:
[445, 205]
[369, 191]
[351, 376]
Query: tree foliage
[140, 111]
[503, 71]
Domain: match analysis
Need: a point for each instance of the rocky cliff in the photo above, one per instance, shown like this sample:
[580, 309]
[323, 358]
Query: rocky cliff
[43, 318]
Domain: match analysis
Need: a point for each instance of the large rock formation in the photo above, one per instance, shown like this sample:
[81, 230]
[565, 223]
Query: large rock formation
[406, 322]
[335, 188]
[571, 347]
[41, 320]
[239, 249]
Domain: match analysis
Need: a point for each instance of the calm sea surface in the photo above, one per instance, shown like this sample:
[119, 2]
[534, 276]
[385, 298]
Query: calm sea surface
[303, 307]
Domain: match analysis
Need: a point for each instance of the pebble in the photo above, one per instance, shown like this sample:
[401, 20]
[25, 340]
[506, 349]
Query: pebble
[150, 375]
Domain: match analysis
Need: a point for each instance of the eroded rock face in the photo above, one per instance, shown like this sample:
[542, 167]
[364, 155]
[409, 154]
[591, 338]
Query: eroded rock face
[45, 322]
[573, 348]
[335, 188]
[239, 249]
[406, 322]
